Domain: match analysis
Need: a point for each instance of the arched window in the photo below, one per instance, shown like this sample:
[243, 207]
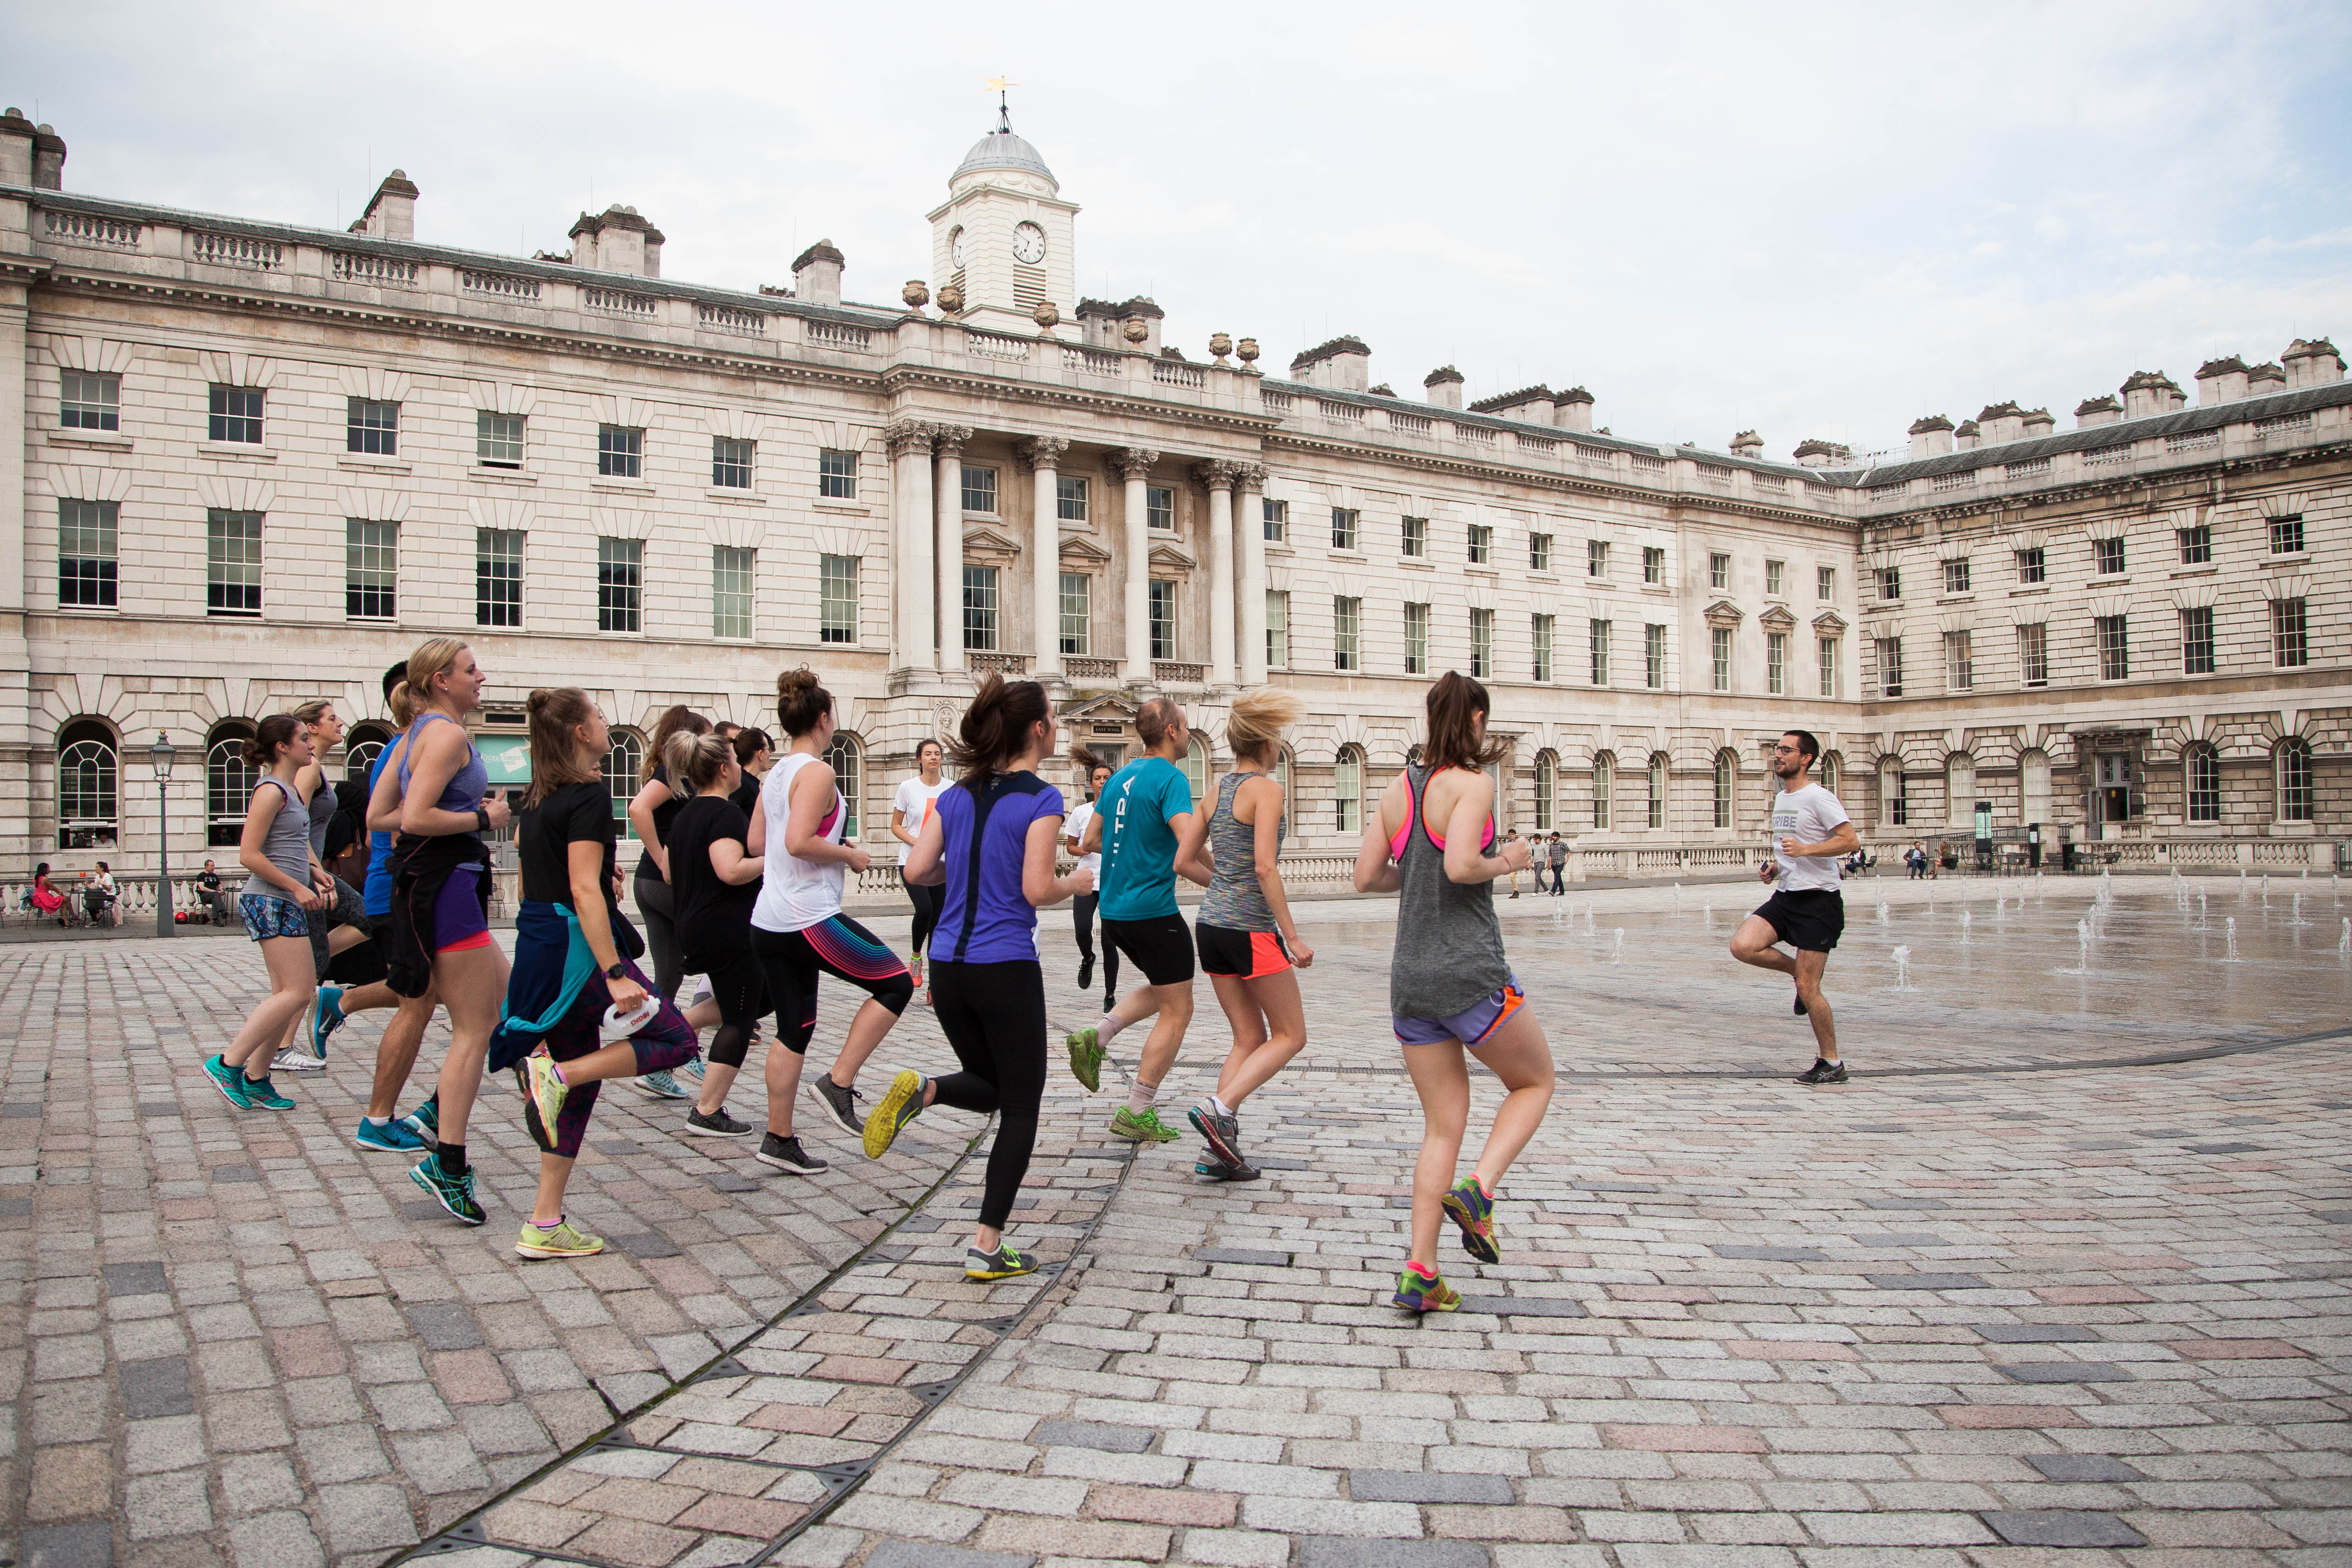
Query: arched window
[1727, 788]
[229, 781]
[1196, 770]
[360, 748]
[1657, 789]
[2200, 766]
[1893, 805]
[89, 802]
[1828, 772]
[2291, 762]
[620, 766]
[1547, 783]
[1604, 770]
[849, 776]
[1960, 789]
[1348, 788]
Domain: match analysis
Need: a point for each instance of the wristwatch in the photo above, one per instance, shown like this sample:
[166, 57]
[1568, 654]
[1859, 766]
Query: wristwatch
[482, 819]
[618, 971]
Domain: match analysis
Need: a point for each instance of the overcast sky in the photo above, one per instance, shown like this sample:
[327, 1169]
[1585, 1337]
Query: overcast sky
[1810, 220]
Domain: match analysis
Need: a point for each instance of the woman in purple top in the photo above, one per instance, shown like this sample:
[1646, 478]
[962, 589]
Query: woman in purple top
[991, 840]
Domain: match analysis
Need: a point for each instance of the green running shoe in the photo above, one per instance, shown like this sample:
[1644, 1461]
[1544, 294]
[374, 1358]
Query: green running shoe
[543, 1092]
[261, 1096]
[900, 1103]
[1085, 1056]
[1127, 1124]
[229, 1080]
[1473, 1211]
[561, 1240]
[454, 1194]
[1416, 1293]
[1003, 1263]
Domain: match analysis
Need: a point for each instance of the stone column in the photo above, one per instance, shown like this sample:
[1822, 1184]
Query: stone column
[1249, 482]
[1041, 456]
[1134, 464]
[949, 511]
[911, 633]
[1219, 479]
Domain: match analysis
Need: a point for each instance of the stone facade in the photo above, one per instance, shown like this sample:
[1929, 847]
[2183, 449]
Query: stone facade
[260, 463]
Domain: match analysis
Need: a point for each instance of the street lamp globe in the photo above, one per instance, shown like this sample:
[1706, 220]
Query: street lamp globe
[162, 753]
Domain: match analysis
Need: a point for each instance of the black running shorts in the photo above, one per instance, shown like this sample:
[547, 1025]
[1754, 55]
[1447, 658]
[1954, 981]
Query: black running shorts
[1810, 920]
[1160, 947]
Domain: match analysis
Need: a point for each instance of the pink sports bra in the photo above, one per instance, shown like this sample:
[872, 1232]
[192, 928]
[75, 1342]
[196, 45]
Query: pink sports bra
[1396, 844]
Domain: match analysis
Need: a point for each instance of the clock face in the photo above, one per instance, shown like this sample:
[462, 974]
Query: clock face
[955, 245]
[1029, 244]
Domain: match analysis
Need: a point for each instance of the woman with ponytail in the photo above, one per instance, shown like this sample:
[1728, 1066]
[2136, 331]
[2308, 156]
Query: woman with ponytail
[992, 842]
[714, 878]
[799, 932]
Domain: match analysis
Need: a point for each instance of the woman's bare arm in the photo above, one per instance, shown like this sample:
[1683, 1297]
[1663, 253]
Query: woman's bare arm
[1038, 883]
[642, 806]
[1375, 873]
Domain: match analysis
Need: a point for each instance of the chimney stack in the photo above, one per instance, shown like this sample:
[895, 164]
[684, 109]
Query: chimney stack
[1532, 404]
[16, 134]
[2221, 381]
[1443, 386]
[1343, 364]
[392, 211]
[1748, 444]
[1967, 436]
[1572, 409]
[816, 274]
[48, 160]
[2265, 379]
[1819, 454]
[2150, 392]
[2038, 424]
[1999, 423]
[2313, 363]
[2095, 411]
[617, 240]
[1930, 436]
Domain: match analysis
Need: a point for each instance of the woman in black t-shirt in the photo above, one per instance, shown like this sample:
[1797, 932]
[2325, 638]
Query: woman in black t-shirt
[565, 849]
[714, 878]
[651, 811]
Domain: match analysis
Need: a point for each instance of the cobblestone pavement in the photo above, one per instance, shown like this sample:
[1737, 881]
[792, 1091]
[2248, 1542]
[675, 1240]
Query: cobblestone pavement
[2061, 1270]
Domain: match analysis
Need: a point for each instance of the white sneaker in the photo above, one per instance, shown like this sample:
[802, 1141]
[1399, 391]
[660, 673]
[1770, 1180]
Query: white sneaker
[294, 1058]
[697, 989]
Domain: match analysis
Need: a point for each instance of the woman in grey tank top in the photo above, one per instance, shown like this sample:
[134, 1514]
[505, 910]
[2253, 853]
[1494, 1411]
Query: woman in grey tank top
[1246, 939]
[1450, 985]
[283, 891]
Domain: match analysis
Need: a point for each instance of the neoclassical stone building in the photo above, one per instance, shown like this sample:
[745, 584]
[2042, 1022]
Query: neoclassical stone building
[260, 462]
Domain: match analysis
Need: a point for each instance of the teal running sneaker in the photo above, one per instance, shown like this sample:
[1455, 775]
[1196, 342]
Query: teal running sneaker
[326, 1018]
[659, 1086]
[424, 1121]
[261, 1095]
[229, 1080]
[1419, 1292]
[1473, 1209]
[392, 1137]
[454, 1194]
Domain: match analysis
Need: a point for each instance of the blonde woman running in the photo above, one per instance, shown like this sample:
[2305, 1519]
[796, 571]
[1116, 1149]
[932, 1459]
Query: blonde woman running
[1248, 944]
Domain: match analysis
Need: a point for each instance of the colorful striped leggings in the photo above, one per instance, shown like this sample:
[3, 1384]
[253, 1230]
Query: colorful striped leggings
[834, 945]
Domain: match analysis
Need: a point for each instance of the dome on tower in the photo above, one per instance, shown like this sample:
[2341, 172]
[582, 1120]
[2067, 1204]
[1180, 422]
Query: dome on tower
[1000, 149]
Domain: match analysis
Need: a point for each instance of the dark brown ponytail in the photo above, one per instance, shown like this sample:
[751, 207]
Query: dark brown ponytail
[995, 728]
[1454, 704]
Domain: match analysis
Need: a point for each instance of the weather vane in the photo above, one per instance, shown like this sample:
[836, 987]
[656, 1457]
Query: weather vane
[997, 84]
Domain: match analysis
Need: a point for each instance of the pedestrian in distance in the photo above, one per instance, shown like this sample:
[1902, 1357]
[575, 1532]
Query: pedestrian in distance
[1249, 945]
[1557, 851]
[1096, 773]
[909, 809]
[1148, 835]
[1809, 831]
[1451, 988]
[991, 846]
[1513, 837]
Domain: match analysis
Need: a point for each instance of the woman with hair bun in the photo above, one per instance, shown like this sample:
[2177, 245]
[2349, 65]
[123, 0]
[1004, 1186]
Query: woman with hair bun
[799, 932]
[286, 889]
[991, 843]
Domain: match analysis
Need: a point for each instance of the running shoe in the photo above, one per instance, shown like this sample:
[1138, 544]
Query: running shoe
[261, 1095]
[543, 1093]
[425, 1120]
[1085, 1056]
[1218, 1170]
[839, 1104]
[786, 1154]
[563, 1239]
[1004, 1263]
[392, 1137]
[326, 1018]
[659, 1085]
[901, 1103]
[294, 1058]
[454, 1194]
[1127, 1124]
[1086, 972]
[229, 1080]
[1823, 1072]
[1473, 1210]
[1223, 1134]
[1417, 1293]
[718, 1124]
[693, 1068]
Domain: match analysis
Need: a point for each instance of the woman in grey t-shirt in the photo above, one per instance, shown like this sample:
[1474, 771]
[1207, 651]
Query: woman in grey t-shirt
[286, 889]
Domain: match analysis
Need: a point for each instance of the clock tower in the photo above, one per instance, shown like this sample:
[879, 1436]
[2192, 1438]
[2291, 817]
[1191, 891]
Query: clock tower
[1004, 234]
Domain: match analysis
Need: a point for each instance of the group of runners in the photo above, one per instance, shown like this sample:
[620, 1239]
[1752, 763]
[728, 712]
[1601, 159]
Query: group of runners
[741, 880]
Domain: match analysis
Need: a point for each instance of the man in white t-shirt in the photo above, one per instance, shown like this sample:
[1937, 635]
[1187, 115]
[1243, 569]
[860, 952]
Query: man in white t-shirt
[1810, 831]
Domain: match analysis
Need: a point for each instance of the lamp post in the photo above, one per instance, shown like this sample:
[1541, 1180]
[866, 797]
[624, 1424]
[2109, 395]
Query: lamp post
[160, 753]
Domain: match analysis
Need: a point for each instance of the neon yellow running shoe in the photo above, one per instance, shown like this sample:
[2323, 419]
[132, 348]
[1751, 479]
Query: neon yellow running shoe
[1085, 1056]
[1127, 1124]
[899, 1104]
[563, 1239]
[1004, 1263]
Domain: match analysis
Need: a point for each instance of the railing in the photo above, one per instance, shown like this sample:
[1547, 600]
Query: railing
[1410, 423]
[1473, 435]
[620, 302]
[1964, 479]
[730, 319]
[996, 345]
[2191, 441]
[1715, 471]
[1090, 668]
[371, 271]
[500, 288]
[1537, 446]
[2101, 457]
[80, 228]
[1340, 413]
[1094, 361]
[1769, 481]
[1166, 671]
[1646, 464]
[1275, 402]
[2284, 425]
[1005, 664]
[836, 335]
[236, 250]
[1168, 372]
[2033, 468]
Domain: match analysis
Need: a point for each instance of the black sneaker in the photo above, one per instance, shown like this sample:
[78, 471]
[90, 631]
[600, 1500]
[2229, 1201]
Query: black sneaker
[718, 1124]
[786, 1154]
[1823, 1072]
[1227, 1170]
[839, 1104]
[1086, 972]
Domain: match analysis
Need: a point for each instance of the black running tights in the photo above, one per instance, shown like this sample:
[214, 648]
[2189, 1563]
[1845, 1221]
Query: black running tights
[994, 1016]
[1082, 915]
[739, 986]
[926, 899]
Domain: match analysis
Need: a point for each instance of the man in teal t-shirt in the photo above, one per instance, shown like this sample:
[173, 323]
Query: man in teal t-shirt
[1149, 834]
